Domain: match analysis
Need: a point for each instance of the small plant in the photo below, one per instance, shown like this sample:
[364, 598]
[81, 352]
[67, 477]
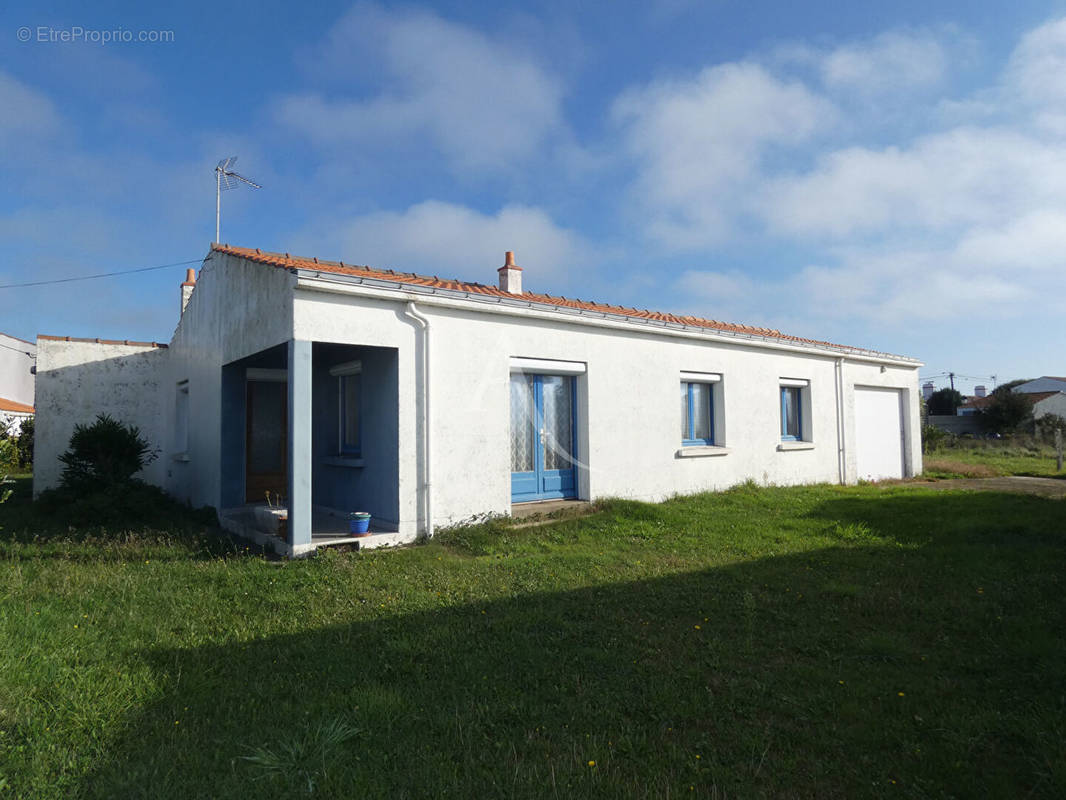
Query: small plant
[104, 455]
[9, 456]
[305, 758]
[276, 500]
[25, 443]
[933, 437]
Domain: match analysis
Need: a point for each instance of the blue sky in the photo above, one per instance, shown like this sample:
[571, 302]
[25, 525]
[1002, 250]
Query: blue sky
[889, 176]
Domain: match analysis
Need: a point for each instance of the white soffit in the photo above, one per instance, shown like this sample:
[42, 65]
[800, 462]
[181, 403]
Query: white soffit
[547, 366]
[700, 377]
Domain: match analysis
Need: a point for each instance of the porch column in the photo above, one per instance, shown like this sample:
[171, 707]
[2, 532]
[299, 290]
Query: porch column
[299, 443]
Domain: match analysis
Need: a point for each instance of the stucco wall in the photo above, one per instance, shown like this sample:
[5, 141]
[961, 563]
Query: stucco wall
[76, 381]
[236, 310]
[16, 380]
[628, 409]
[1056, 404]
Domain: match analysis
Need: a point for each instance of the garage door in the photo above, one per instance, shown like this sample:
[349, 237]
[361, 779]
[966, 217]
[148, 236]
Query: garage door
[879, 433]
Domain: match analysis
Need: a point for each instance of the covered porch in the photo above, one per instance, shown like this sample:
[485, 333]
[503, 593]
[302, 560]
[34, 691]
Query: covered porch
[310, 434]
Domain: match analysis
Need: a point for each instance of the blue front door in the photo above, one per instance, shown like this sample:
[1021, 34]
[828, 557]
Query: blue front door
[542, 437]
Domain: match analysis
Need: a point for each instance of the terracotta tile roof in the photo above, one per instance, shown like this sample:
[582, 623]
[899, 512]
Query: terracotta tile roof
[11, 405]
[128, 342]
[285, 261]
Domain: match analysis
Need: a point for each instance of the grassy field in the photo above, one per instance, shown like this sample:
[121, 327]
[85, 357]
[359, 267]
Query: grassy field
[991, 459]
[809, 642]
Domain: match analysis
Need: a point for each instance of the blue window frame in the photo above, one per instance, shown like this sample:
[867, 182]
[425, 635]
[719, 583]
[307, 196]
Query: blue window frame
[350, 394]
[697, 413]
[791, 413]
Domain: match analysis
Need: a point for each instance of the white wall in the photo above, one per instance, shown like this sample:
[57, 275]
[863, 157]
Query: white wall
[1056, 404]
[627, 400]
[76, 381]
[236, 310]
[16, 380]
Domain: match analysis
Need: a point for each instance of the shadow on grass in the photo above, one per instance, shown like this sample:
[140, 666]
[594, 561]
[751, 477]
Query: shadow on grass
[161, 522]
[919, 654]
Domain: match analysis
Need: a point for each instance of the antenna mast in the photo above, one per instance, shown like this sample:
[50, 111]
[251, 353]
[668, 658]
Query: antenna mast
[226, 178]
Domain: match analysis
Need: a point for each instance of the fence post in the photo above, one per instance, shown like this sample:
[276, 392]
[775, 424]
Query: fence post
[1058, 449]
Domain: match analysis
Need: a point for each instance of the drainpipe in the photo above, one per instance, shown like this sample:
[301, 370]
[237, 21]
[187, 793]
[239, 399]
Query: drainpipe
[427, 439]
[842, 452]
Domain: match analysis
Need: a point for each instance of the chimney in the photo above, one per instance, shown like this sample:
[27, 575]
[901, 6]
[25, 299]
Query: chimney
[927, 389]
[979, 391]
[187, 287]
[510, 275]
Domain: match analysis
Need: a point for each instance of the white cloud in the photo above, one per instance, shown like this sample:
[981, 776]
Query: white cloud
[455, 241]
[27, 112]
[698, 141]
[481, 103]
[1037, 67]
[962, 176]
[891, 62]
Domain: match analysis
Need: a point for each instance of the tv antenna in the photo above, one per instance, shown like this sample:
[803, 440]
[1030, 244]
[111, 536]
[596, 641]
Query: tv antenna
[226, 178]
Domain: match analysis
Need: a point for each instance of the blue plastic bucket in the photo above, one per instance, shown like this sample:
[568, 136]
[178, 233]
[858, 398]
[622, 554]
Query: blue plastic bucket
[359, 522]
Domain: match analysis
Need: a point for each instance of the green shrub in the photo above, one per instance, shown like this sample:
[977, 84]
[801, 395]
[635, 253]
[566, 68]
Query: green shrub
[104, 455]
[933, 437]
[1007, 412]
[1046, 426]
[24, 442]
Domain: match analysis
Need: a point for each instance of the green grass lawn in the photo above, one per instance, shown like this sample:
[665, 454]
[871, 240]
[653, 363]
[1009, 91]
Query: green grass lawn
[807, 642]
[989, 459]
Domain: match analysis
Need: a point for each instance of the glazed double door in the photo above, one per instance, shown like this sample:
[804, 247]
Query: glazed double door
[543, 437]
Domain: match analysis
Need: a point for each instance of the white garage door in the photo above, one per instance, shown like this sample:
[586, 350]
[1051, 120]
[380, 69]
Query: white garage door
[879, 433]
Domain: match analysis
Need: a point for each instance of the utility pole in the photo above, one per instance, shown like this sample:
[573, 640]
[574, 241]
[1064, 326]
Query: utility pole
[954, 407]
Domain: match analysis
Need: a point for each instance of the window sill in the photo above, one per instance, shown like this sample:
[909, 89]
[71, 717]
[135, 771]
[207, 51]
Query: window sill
[343, 461]
[182, 457]
[702, 451]
[786, 446]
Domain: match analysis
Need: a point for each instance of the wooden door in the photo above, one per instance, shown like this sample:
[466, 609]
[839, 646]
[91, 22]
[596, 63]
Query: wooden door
[267, 441]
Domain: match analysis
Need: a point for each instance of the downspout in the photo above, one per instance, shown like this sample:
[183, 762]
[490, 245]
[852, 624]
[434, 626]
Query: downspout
[427, 439]
[842, 452]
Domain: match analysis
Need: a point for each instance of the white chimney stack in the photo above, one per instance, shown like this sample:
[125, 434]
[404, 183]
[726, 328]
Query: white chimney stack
[510, 275]
[927, 389]
[187, 287]
[979, 391]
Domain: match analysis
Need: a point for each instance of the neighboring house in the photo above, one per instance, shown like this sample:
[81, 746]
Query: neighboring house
[1045, 400]
[1045, 403]
[1041, 385]
[16, 381]
[427, 402]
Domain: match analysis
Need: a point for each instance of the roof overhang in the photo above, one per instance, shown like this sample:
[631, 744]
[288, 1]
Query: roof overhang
[401, 291]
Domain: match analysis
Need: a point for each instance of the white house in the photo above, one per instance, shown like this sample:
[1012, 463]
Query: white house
[427, 402]
[16, 381]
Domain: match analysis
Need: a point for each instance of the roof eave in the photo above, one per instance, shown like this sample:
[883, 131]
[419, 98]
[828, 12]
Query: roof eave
[476, 300]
